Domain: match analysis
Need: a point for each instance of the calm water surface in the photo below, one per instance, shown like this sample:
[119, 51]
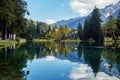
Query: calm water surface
[60, 61]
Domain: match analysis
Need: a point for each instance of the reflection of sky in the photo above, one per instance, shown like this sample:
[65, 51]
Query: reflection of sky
[84, 72]
[50, 58]
[49, 68]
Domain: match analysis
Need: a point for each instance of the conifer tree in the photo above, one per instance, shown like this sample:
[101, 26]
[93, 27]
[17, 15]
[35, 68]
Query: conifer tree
[80, 31]
[96, 31]
[12, 19]
[110, 27]
[87, 30]
[118, 24]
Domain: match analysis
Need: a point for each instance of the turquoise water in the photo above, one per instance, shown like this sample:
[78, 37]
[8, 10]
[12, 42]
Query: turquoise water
[60, 61]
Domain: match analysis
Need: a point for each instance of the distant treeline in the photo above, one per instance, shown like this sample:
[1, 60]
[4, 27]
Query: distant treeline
[95, 30]
[12, 19]
[40, 30]
[13, 22]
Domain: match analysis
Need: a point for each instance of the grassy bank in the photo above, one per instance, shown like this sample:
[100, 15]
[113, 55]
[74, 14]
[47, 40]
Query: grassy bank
[52, 40]
[43, 40]
[5, 43]
[73, 40]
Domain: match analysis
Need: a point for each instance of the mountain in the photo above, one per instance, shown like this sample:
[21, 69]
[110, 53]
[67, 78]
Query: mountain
[112, 8]
[116, 13]
[72, 23]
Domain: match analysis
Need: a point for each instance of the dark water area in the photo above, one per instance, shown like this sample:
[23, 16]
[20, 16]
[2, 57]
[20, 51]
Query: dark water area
[60, 61]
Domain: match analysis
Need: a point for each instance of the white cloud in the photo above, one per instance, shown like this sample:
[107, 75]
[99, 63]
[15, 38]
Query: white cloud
[108, 14]
[84, 72]
[50, 58]
[50, 21]
[81, 72]
[84, 7]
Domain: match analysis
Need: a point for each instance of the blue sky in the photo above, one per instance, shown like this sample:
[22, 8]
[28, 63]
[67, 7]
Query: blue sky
[43, 10]
[55, 10]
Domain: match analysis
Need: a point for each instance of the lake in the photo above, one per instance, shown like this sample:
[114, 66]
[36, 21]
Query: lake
[60, 61]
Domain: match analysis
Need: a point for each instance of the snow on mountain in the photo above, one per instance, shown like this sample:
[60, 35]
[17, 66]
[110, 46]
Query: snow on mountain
[110, 9]
[105, 12]
[72, 23]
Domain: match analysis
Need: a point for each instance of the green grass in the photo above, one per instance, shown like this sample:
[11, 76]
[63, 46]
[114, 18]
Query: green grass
[5, 43]
[21, 40]
[72, 40]
[43, 40]
[52, 40]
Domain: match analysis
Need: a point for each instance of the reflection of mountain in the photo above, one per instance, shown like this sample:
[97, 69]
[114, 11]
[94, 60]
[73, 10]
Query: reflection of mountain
[92, 61]
[84, 72]
[70, 56]
[65, 51]
[73, 23]
[109, 69]
[92, 57]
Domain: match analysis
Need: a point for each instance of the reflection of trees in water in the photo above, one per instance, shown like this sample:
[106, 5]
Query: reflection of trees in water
[58, 48]
[42, 49]
[92, 55]
[11, 65]
[118, 59]
[13, 61]
[113, 58]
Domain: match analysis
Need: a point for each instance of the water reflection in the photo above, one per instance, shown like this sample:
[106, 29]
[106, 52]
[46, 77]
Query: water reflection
[60, 61]
[12, 62]
[83, 71]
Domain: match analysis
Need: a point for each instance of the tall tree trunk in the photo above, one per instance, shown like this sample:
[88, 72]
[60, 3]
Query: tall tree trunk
[8, 32]
[5, 50]
[12, 36]
[4, 32]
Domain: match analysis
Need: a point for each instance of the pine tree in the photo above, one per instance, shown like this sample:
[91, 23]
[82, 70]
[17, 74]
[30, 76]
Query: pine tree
[38, 30]
[87, 30]
[110, 27]
[96, 31]
[118, 24]
[12, 14]
[80, 31]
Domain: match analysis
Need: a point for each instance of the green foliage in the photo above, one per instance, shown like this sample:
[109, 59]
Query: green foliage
[87, 29]
[38, 30]
[96, 31]
[60, 33]
[80, 31]
[12, 17]
[92, 27]
[118, 25]
[12, 64]
[110, 28]
[30, 30]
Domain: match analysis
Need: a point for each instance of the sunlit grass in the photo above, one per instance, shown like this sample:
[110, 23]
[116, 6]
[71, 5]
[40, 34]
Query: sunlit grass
[5, 43]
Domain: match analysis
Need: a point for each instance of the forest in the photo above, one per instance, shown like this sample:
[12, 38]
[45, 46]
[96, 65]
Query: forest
[14, 25]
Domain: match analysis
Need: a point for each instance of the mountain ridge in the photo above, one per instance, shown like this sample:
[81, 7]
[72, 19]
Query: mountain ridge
[73, 22]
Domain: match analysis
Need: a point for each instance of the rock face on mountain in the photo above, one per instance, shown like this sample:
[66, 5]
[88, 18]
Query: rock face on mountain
[112, 8]
[72, 23]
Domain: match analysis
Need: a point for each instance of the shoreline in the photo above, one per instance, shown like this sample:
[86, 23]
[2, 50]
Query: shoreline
[6, 43]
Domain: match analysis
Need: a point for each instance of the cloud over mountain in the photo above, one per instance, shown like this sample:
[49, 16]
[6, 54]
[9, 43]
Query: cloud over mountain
[50, 21]
[84, 7]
